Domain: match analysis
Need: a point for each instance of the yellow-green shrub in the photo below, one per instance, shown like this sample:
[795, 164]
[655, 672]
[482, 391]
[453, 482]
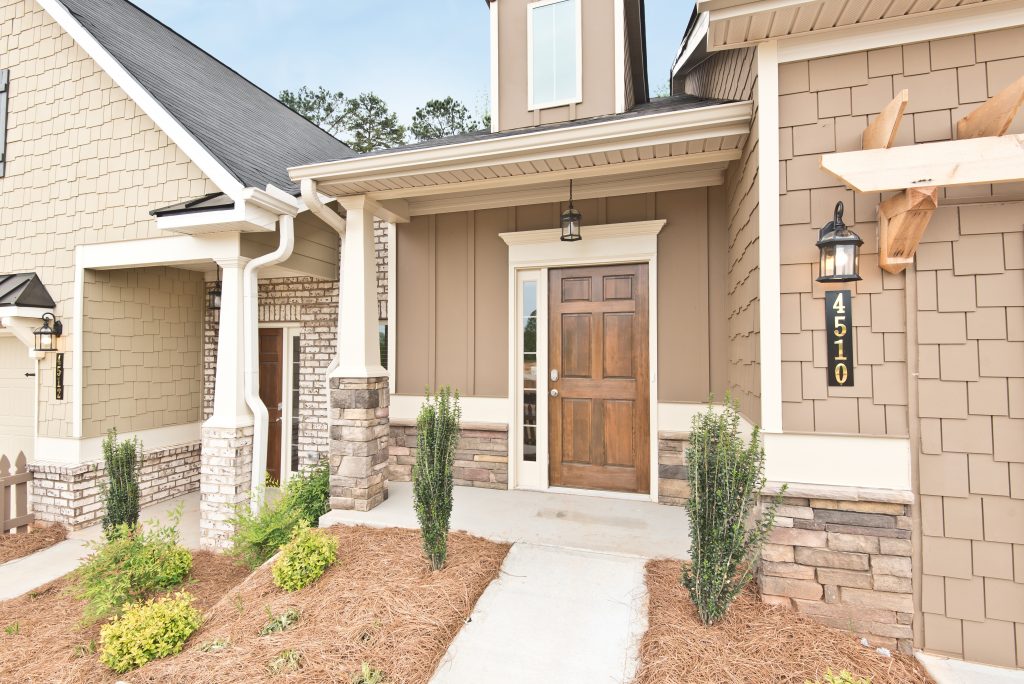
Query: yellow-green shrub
[843, 677]
[148, 631]
[304, 558]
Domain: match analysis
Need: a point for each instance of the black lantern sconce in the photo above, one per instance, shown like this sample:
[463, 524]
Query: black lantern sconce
[840, 251]
[214, 295]
[572, 220]
[47, 334]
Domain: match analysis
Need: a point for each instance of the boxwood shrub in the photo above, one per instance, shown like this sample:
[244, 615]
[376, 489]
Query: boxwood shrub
[304, 558]
[148, 631]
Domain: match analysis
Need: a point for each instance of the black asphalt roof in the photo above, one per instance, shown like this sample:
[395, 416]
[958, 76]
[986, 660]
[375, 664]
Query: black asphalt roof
[24, 289]
[253, 135]
[654, 106]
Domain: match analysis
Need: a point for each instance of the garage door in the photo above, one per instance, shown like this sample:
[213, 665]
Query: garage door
[17, 398]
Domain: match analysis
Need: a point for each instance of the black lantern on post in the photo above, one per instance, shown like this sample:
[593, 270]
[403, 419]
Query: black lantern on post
[572, 220]
[840, 251]
[214, 294]
[47, 334]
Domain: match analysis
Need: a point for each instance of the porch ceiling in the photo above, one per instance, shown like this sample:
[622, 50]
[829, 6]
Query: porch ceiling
[668, 150]
[734, 23]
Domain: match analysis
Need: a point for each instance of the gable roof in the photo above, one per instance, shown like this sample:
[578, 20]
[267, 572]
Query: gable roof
[24, 290]
[249, 132]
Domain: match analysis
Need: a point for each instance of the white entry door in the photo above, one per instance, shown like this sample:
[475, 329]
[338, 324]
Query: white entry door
[17, 398]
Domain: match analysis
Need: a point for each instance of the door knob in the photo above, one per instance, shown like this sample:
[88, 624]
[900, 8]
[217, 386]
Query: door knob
[554, 393]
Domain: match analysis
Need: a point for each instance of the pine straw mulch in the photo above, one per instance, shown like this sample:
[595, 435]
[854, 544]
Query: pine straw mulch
[14, 546]
[755, 642]
[50, 646]
[379, 604]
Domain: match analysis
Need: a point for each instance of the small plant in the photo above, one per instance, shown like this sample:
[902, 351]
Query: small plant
[83, 650]
[726, 479]
[13, 629]
[310, 493]
[304, 559]
[843, 677]
[285, 661]
[280, 622]
[121, 488]
[239, 604]
[368, 675]
[437, 438]
[259, 535]
[148, 631]
[130, 566]
[215, 646]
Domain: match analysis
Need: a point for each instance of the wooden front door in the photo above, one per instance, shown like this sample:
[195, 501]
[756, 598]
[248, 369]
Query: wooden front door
[271, 374]
[599, 405]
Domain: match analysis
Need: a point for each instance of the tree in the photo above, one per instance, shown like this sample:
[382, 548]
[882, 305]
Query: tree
[441, 118]
[321, 106]
[370, 125]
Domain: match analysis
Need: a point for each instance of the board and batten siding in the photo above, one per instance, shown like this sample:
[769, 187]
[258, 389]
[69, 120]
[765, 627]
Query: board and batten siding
[452, 283]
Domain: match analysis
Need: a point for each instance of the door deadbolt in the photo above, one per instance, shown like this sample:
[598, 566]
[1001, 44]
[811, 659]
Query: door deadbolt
[554, 375]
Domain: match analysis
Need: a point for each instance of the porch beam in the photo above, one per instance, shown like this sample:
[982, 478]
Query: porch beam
[718, 157]
[948, 163]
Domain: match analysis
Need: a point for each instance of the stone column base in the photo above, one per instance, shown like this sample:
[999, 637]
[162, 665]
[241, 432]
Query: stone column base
[225, 480]
[359, 442]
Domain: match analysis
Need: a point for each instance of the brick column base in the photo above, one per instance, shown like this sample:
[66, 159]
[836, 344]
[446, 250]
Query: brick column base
[225, 480]
[359, 442]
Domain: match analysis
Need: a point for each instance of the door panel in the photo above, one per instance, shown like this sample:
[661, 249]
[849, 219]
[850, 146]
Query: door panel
[600, 419]
[17, 398]
[271, 374]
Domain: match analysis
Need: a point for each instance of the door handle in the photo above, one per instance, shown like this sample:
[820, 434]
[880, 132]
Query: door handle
[554, 393]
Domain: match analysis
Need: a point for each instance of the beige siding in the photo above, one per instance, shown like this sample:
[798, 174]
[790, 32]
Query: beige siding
[143, 348]
[732, 75]
[85, 165]
[598, 66]
[453, 293]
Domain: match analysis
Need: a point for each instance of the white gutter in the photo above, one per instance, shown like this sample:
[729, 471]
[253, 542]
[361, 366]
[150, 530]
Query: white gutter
[250, 344]
[332, 218]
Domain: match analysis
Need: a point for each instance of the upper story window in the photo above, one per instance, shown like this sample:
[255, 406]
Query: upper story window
[555, 53]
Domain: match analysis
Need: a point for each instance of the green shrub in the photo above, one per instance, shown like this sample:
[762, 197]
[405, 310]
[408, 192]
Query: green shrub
[130, 566]
[309, 493]
[368, 675]
[285, 661]
[259, 535]
[843, 677]
[121, 488]
[147, 631]
[304, 559]
[726, 479]
[437, 428]
[280, 622]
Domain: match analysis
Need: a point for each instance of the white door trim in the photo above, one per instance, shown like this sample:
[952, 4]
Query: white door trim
[538, 251]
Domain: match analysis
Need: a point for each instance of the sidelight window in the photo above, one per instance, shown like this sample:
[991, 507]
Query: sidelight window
[554, 53]
[296, 368]
[529, 369]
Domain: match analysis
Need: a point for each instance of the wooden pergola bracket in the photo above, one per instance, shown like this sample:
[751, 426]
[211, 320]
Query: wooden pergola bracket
[902, 220]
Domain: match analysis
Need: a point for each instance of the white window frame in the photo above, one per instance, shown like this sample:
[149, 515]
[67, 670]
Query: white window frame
[533, 105]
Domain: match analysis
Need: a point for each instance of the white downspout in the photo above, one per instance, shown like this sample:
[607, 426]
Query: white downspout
[312, 199]
[250, 347]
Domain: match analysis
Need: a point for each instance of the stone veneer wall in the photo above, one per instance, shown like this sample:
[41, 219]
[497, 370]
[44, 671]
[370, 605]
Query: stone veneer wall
[481, 459]
[673, 475]
[844, 563]
[72, 495]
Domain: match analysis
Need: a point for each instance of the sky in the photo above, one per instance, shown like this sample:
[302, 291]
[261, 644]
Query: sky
[407, 51]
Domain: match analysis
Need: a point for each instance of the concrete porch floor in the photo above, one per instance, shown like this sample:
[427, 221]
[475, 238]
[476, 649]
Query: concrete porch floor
[571, 521]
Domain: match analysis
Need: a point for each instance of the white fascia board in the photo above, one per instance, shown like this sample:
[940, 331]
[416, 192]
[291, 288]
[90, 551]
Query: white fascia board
[255, 211]
[196, 151]
[177, 250]
[696, 41]
[621, 131]
[912, 28]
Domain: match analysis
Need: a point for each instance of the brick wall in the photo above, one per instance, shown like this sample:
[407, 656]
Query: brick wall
[733, 75]
[72, 495]
[481, 459]
[84, 165]
[846, 564]
[143, 339]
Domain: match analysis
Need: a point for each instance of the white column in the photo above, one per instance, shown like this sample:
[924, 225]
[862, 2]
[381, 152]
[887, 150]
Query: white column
[358, 344]
[229, 407]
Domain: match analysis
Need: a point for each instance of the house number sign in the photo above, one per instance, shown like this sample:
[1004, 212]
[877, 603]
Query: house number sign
[839, 333]
[59, 376]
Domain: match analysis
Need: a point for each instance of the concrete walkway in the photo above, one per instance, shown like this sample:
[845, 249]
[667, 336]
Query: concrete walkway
[31, 572]
[553, 615]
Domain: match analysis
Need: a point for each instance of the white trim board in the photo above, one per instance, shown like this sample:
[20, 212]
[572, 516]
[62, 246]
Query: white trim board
[838, 460]
[64, 451]
[207, 163]
[494, 410]
[495, 68]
